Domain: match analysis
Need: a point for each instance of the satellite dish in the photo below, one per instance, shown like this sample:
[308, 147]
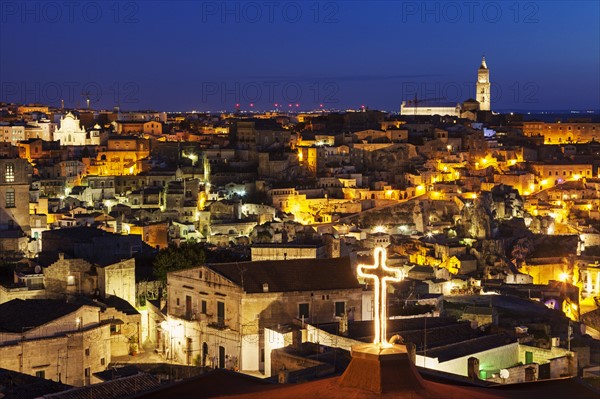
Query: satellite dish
[38, 269]
[504, 373]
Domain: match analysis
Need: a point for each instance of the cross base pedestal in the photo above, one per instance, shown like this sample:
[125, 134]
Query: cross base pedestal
[381, 368]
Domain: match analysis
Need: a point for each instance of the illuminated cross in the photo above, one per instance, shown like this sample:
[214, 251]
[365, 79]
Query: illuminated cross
[381, 274]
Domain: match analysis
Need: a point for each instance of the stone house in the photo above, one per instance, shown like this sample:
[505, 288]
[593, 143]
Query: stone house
[220, 311]
[78, 276]
[53, 339]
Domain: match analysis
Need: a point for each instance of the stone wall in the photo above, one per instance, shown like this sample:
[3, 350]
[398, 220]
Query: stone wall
[56, 276]
[118, 279]
[267, 309]
[72, 358]
[8, 294]
[318, 336]
[124, 336]
[281, 360]
[517, 374]
[562, 362]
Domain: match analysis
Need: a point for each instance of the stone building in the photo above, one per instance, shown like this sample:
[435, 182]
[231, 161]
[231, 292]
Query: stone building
[122, 156]
[70, 131]
[15, 177]
[53, 339]
[220, 311]
[559, 132]
[288, 251]
[78, 276]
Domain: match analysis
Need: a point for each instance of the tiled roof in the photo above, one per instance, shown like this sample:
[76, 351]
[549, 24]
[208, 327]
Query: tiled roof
[290, 275]
[18, 315]
[119, 388]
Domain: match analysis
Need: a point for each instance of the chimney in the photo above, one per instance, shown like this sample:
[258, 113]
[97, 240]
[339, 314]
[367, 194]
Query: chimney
[61, 255]
[473, 368]
[283, 376]
[343, 328]
[297, 339]
[266, 287]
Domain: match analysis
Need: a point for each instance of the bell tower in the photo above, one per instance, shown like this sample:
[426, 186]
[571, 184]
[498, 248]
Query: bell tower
[483, 86]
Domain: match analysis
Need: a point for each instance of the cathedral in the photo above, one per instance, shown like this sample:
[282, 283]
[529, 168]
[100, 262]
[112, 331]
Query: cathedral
[71, 132]
[465, 110]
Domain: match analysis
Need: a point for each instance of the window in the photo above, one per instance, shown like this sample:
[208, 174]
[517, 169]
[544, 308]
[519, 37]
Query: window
[303, 310]
[70, 280]
[115, 329]
[9, 173]
[102, 362]
[87, 372]
[340, 308]
[177, 301]
[10, 198]
[87, 351]
[40, 374]
[203, 307]
[221, 313]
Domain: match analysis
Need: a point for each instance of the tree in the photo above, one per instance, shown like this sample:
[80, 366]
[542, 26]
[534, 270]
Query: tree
[173, 258]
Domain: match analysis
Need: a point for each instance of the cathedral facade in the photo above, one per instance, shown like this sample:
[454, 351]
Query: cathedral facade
[71, 132]
[467, 109]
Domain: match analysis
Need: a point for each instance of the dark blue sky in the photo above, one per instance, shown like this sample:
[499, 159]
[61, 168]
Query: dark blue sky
[542, 55]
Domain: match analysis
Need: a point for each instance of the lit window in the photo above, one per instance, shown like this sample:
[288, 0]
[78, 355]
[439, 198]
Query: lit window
[9, 174]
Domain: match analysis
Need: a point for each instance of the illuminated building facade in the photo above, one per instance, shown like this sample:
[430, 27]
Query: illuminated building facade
[70, 131]
[562, 133]
[483, 87]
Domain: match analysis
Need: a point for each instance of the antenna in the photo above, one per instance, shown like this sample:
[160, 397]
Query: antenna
[86, 95]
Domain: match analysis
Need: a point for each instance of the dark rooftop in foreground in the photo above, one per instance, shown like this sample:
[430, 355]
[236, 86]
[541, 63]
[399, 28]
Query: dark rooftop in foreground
[113, 389]
[15, 385]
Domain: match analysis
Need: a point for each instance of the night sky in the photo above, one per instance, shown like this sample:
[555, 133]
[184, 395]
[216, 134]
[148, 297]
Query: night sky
[182, 56]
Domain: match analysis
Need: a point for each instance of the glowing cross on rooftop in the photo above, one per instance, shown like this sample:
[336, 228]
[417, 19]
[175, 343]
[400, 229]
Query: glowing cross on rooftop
[381, 275]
